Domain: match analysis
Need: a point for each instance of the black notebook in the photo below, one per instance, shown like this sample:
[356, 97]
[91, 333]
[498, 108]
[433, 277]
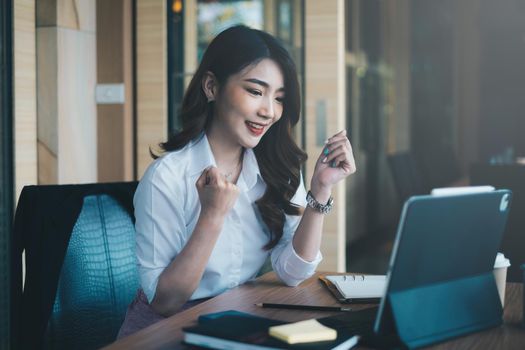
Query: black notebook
[238, 330]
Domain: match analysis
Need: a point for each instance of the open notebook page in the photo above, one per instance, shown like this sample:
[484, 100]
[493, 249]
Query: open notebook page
[359, 286]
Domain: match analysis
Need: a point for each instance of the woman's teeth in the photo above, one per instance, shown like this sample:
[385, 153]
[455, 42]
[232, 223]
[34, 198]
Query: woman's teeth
[255, 126]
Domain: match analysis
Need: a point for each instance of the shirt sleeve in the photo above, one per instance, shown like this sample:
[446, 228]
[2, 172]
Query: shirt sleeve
[287, 264]
[159, 224]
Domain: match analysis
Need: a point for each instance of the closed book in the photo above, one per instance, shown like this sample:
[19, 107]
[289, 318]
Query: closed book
[362, 289]
[236, 330]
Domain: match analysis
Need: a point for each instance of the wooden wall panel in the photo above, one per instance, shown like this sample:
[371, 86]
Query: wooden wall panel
[325, 83]
[77, 115]
[66, 63]
[114, 66]
[47, 104]
[190, 40]
[24, 95]
[76, 14]
[129, 106]
[152, 113]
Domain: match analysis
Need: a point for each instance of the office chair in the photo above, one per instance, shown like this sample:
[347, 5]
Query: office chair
[81, 272]
[406, 175]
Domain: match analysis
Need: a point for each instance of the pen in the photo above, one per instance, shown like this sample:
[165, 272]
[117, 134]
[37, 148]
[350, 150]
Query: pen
[303, 307]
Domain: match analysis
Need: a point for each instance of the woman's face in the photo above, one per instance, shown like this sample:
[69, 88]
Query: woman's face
[249, 103]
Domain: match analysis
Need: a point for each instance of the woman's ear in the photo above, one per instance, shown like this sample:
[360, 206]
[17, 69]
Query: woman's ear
[210, 86]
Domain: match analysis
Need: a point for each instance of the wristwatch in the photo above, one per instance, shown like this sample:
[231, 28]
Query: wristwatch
[314, 204]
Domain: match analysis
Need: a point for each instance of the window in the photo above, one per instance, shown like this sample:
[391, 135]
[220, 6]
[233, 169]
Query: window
[215, 16]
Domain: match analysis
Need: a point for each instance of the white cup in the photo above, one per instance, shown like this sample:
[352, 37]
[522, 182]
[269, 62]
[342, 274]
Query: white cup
[500, 275]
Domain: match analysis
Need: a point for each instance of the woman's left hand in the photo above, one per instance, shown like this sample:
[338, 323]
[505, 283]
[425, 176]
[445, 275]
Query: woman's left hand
[334, 164]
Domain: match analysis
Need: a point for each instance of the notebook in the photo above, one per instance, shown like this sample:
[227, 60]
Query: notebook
[352, 288]
[441, 265]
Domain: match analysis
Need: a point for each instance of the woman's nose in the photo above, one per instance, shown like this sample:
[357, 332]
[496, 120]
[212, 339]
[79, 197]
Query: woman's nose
[267, 109]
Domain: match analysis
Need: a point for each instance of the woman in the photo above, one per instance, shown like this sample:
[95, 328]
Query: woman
[227, 191]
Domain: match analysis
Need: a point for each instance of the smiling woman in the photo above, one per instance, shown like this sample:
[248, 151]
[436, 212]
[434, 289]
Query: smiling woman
[227, 192]
[251, 99]
[244, 69]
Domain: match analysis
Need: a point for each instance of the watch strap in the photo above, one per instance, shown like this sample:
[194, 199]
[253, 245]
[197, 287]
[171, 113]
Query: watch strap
[314, 204]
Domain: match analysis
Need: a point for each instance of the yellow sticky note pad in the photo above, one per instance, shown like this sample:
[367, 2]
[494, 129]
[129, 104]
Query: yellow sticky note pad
[303, 332]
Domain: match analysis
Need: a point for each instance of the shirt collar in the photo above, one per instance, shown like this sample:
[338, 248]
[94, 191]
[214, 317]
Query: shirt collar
[203, 158]
[250, 168]
[201, 154]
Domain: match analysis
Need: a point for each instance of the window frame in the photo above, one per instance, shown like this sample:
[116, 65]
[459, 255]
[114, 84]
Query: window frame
[6, 166]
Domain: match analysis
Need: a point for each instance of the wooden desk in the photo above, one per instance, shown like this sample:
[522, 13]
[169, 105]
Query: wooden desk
[167, 334]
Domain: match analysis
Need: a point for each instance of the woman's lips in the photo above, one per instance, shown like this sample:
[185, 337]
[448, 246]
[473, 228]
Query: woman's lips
[255, 129]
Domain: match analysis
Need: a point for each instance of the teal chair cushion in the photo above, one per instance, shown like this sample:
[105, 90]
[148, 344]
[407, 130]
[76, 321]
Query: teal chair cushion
[98, 278]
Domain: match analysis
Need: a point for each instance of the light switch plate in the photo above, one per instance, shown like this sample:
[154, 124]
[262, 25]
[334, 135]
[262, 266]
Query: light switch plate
[109, 94]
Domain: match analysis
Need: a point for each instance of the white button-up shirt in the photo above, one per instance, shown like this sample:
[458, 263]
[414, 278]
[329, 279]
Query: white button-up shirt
[167, 207]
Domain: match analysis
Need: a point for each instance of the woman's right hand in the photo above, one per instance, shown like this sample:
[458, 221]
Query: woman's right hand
[216, 194]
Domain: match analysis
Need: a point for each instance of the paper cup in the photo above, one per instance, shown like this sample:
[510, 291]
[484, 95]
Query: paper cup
[500, 275]
[523, 304]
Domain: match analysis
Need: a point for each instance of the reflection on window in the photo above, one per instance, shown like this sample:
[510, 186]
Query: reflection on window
[215, 16]
[284, 26]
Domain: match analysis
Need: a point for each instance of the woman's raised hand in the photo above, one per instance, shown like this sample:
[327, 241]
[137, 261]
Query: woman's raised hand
[216, 194]
[335, 162]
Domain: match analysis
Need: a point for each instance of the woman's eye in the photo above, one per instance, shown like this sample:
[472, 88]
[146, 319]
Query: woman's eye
[254, 92]
[279, 99]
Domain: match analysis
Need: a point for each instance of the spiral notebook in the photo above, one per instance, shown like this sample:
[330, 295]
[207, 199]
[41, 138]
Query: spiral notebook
[356, 288]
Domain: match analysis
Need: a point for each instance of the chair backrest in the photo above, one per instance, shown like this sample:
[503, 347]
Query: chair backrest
[98, 279]
[77, 244]
[407, 176]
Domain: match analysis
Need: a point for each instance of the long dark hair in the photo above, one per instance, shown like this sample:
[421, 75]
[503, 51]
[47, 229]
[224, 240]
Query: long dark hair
[277, 154]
